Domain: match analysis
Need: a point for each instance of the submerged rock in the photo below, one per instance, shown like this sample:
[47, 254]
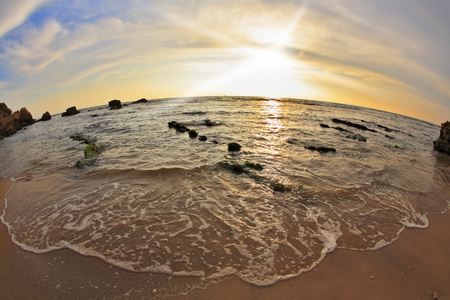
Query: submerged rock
[91, 150]
[115, 104]
[321, 149]
[209, 123]
[70, 112]
[178, 127]
[348, 123]
[442, 144]
[202, 138]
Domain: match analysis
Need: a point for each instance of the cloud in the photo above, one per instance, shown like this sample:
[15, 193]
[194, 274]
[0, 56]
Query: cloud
[14, 13]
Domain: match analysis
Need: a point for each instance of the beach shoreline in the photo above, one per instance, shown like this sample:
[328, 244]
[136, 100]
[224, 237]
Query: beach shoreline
[413, 267]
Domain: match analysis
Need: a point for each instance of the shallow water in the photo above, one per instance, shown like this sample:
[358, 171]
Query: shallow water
[159, 201]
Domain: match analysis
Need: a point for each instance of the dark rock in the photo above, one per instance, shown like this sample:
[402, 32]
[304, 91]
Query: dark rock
[215, 142]
[4, 110]
[193, 134]
[324, 126]
[348, 123]
[25, 117]
[321, 149]
[442, 144]
[178, 127]
[237, 168]
[194, 113]
[143, 100]
[254, 166]
[280, 187]
[234, 147]
[209, 123]
[94, 116]
[46, 116]
[83, 139]
[70, 112]
[202, 138]
[341, 129]
[115, 104]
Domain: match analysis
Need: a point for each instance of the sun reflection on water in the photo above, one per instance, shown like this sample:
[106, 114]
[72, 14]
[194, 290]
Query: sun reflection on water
[270, 132]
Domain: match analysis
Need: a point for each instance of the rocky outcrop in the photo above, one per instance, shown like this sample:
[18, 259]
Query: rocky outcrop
[70, 112]
[46, 116]
[115, 104]
[442, 144]
[11, 122]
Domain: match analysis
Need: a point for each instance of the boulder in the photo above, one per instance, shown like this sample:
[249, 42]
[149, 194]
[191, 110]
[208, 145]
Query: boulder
[70, 112]
[25, 117]
[202, 138]
[234, 147]
[442, 144]
[46, 116]
[193, 134]
[115, 104]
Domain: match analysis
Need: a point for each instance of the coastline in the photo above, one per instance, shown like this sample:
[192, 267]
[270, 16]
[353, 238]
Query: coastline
[413, 267]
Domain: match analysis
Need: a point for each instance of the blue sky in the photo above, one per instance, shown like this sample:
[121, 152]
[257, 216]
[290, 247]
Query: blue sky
[381, 54]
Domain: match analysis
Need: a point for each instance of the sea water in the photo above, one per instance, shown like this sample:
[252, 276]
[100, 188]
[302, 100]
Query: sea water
[158, 201]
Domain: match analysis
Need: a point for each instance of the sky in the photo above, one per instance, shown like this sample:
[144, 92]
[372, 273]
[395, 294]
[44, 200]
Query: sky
[384, 54]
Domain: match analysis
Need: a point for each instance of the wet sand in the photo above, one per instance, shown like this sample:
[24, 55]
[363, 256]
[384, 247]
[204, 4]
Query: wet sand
[414, 267]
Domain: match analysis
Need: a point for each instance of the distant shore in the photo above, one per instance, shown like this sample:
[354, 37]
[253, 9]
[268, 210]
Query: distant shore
[416, 266]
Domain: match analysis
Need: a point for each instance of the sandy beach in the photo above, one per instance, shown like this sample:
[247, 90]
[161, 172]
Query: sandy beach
[416, 266]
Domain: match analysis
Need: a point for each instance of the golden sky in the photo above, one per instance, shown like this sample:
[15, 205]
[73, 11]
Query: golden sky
[388, 55]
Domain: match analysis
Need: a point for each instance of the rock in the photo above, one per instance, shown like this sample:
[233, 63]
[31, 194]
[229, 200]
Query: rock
[115, 104]
[321, 149]
[234, 147]
[280, 187]
[70, 112]
[324, 126]
[193, 134]
[442, 144]
[83, 139]
[178, 126]
[202, 138]
[143, 100]
[435, 295]
[209, 123]
[358, 126]
[46, 116]
[254, 166]
[91, 150]
[10, 122]
[25, 117]
[4, 110]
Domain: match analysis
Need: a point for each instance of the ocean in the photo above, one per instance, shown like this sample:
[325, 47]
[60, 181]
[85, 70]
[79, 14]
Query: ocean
[156, 200]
